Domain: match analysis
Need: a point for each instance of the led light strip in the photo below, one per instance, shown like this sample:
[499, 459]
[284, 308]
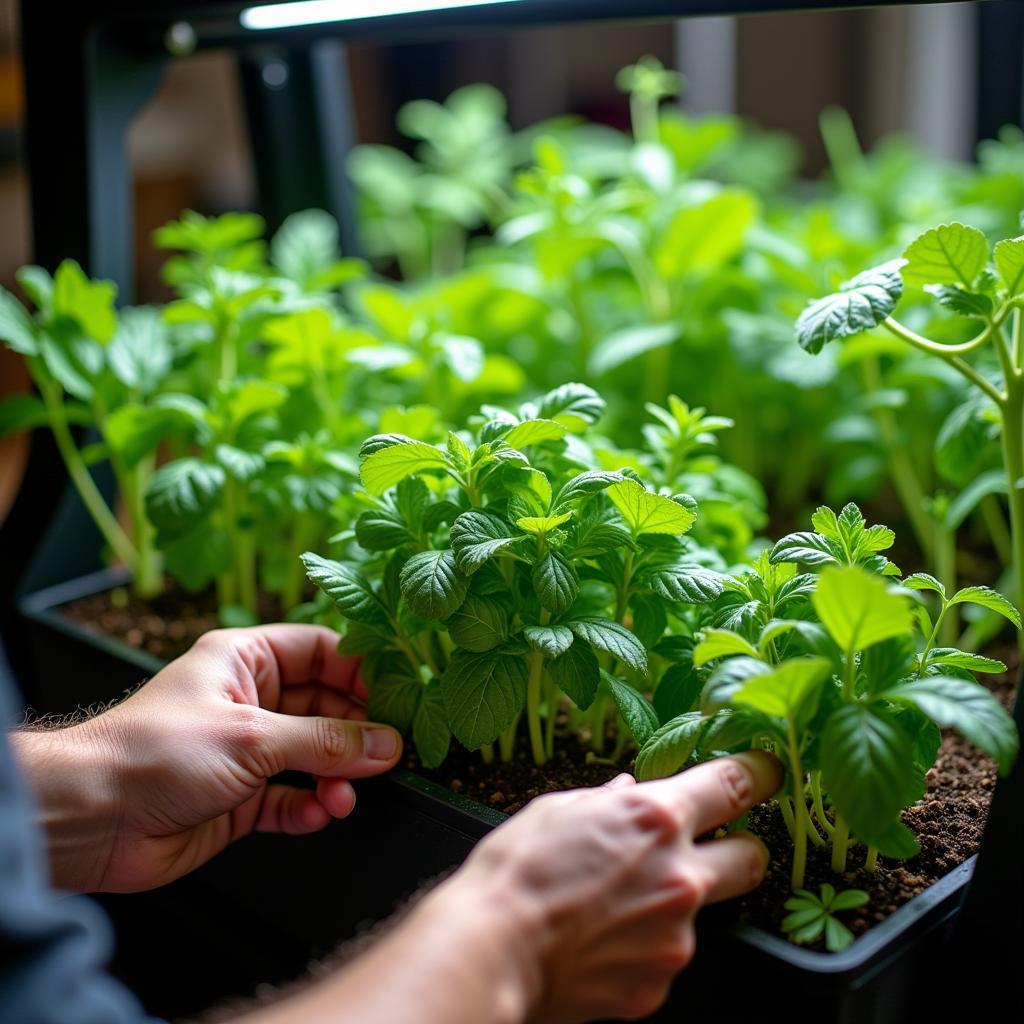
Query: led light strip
[320, 12]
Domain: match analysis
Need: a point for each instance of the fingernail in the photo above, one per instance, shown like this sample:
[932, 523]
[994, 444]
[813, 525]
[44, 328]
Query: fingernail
[380, 744]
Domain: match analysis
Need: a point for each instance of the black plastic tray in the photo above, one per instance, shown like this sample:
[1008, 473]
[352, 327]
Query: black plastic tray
[407, 829]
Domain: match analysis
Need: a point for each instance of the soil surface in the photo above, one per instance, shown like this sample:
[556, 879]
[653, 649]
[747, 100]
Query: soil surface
[948, 821]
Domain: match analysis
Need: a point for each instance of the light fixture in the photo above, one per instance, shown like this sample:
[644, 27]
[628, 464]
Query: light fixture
[320, 12]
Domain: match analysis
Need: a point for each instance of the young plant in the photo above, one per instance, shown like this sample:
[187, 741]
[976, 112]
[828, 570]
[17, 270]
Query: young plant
[498, 577]
[823, 667]
[956, 267]
[812, 917]
[99, 370]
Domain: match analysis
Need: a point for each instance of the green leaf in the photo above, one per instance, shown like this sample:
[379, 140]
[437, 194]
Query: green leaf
[721, 643]
[635, 709]
[390, 464]
[22, 412]
[952, 658]
[576, 673]
[133, 431]
[140, 351]
[432, 586]
[861, 304]
[867, 763]
[628, 343]
[960, 301]
[1009, 260]
[198, 557]
[858, 609]
[647, 513]
[987, 598]
[90, 304]
[430, 730]
[543, 524]
[967, 707]
[476, 536]
[304, 245]
[16, 328]
[37, 285]
[480, 624]
[962, 442]
[947, 254]
[703, 238]
[552, 641]
[75, 360]
[610, 637]
[395, 693]
[922, 581]
[362, 639]
[555, 582]
[534, 432]
[837, 936]
[182, 494]
[790, 691]
[347, 588]
[531, 485]
[689, 584]
[381, 529]
[727, 679]
[678, 691]
[483, 694]
[669, 748]
[574, 405]
[586, 484]
[464, 356]
[807, 548]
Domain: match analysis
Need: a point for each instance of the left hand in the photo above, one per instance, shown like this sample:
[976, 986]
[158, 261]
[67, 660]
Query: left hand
[154, 787]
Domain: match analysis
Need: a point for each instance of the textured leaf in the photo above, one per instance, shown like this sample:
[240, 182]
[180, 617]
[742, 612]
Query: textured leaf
[635, 709]
[961, 301]
[987, 598]
[728, 679]
[543, 524]
[947, 254]
[387, 465]
[476, 536]
[790, 691]
[1009, 260]
[868, 769]
[534, 432]
[807, 548]
[859, 305]
[689, 584]
[577, 673]
[555, 582]
[952, 658]
[721, 643]
[678, 692]
[590, 482]
[648, 513]
[483, 693]
[182, 494]
[609, 636]
[432, 586]
[573, 405]
[553, 641]
[858, 609]
[923, 581]
[430, 730]
[967, 707]
[669, 748]
[480, 624]
[395, 693]
[347, 588]
[198, 557]
[381, 529]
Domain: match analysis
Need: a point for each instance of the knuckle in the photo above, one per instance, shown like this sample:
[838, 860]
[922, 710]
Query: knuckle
[686, 889]
[736, 783]
[651, 813]
[333, 741]
[252, 729]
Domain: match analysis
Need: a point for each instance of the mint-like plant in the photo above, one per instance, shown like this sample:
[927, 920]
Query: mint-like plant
[813, 917]
[502, 573]
[836, 670]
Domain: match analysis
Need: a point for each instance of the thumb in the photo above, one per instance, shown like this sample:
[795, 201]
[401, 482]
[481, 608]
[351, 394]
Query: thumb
[332, 747]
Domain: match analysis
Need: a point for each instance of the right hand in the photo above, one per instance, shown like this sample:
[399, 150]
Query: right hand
[605, 884]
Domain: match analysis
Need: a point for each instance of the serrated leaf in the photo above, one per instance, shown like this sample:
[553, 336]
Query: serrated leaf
[721, 643]
[347, 588]
[574, 405]
[543, 524]
[586, 484]
[577, 673]
[394, 692]
[669, 748]
[552, 641]
[858, 609]
[967, 707]
[790, 691]
[483, 694]
[923, 581]
[727, 679]
[861, 304]
[689, 584]
[648, 513]
[381, 529]
[961, 301]
[952, 658]
[868, 769]
[432, 586]
[635, 709]
[88, 303]
[534, 432]
[480, 624]
[1009, 259]
[476, 536]
[430, 730]
[140, 351]
[990, 599]
[391, 463]
[555, 582]
[613, 639]
[182, 494]
[947, 254]
[806, 548]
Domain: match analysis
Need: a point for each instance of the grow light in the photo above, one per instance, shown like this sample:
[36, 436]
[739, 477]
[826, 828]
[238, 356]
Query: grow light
[320, 12]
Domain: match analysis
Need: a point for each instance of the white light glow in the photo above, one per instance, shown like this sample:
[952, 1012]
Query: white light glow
[320, 12]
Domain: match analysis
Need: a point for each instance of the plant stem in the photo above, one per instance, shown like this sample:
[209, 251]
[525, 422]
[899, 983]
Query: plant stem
[551, 700]
[800, 819]
[291, 592]
[507, 741]
[595, 719]
[840, 844]
[871, 860]
[487, 753]
[945, 569]
[812, 833]
[533, 694]
[849, 672]
[786, 806]
[998, 531]
[819, 804]
[1013, 460]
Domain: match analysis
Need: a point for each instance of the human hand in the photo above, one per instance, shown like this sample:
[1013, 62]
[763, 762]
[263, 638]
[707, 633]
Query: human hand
[597, 890]
[157, 785]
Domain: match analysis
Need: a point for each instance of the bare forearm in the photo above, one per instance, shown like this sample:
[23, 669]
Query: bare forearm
[453, 961]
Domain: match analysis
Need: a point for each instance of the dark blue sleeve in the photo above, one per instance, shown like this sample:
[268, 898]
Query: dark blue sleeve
[53, 948]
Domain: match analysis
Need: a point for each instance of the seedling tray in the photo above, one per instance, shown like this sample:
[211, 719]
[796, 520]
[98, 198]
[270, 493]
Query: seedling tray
[408, 829]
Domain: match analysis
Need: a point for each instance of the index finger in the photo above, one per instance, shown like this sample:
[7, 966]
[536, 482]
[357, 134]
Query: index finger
[716, 792]
[301, 654]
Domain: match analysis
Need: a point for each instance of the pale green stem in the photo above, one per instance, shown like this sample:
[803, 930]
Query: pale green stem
[819, 804]
[871, 860]
[840, 844]
[800, 819]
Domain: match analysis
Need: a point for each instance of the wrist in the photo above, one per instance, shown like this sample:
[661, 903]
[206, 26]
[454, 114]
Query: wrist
[72, 772]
